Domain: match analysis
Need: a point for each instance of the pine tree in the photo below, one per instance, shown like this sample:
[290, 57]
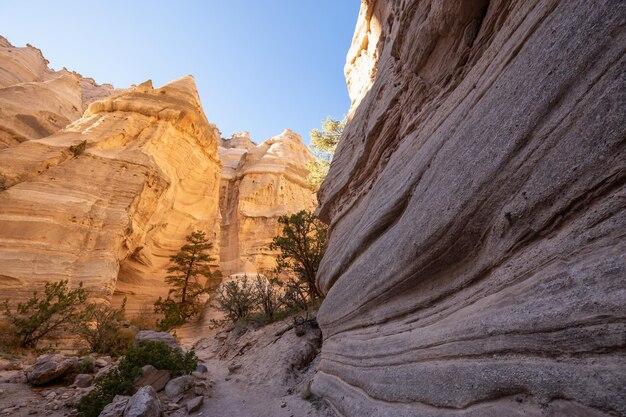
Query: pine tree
[190, 265]
[302, 245]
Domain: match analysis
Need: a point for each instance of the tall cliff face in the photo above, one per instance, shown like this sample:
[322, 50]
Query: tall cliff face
[36, 101]
[111, 216]
[477, 206]
[259, 184]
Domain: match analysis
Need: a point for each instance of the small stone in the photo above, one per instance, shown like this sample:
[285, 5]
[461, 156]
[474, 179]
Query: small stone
[177, 387]
[199, 375]
[102, 362]
[173, 406]
[144, 403]
[194, 404]
[157, 379]
[201, 368]
[233, 368]
[83, 380]
[116, 407]
[283, 404]
[152, 336]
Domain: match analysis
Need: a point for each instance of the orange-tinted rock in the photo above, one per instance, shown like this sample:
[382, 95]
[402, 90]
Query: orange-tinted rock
[111, 216]
[259, 184]
[36, 101]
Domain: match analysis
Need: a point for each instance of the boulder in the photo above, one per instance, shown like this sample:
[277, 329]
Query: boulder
[154, 377]
[177, 387]
[83, 380]
[49, 368]
[116, 407]
[201, 368]
[152, 336]
[194, 404]
[144, 403]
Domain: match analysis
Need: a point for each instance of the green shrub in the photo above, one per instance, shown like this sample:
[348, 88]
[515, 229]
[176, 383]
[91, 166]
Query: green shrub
[296, 296]
[173, 314]
[119, 381]
[268, 296]
[60, 308]
[102, 329]
[236, 299]
[86, 366]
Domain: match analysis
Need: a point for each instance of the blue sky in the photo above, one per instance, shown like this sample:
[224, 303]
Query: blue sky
[260, 65]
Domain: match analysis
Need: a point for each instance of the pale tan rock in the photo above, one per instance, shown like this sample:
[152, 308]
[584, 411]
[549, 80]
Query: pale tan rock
[36, 101]
[259, 184]
[476, 263]
[111, 216]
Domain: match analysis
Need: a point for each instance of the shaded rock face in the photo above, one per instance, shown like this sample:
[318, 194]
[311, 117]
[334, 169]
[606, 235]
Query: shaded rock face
[259, 184]
[36, 101]
[111, 216]
[476, 263]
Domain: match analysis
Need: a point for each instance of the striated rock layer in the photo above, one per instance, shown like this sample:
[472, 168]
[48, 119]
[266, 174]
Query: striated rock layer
[36, 101]
[259, 184]
[476, 262]
[111, 216]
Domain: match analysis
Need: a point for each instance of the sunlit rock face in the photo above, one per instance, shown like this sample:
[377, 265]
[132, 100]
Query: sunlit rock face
[259, 184]
[36, 101]
[111, 216]
[476, 258]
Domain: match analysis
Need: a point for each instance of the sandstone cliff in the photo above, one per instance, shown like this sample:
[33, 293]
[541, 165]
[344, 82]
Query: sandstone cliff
[259, 184]
[477, 207]
[111, 216]
[36, 101]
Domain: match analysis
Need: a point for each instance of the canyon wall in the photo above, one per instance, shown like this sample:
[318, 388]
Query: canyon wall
[36, 101]
[111, 215]
[476, 260]
[150, 174]
[259, 184]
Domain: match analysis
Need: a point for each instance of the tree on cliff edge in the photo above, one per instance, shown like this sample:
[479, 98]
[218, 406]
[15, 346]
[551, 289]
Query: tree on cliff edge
[302, 245]
[190, 265]
[323, 145]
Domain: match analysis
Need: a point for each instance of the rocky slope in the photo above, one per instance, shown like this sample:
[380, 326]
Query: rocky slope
[476, 258]
[36, 101]
[259, 184]
[112, 215]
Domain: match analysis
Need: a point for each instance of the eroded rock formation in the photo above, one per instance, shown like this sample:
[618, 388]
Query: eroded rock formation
[111, 215]
[36, 101]
[477, 207]
[259, 184]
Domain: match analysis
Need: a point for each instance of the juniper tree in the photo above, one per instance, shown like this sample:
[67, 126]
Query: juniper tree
[59, 308]
[323, 145]
[302, 245]
[190, 266]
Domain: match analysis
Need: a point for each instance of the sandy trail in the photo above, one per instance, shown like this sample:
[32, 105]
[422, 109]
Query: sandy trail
[259, 389]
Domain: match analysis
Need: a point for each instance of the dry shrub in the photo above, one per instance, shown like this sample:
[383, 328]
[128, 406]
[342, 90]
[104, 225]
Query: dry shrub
[145, 319]
[9, 339]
